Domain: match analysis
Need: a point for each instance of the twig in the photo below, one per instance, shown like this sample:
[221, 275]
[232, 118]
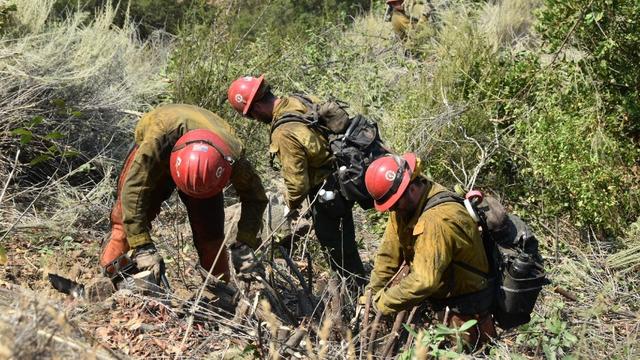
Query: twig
[567, 294]
[259, 331]
[309, 270]
[13, 169]
[297, 337]
[395, 333]
[409, 321]
[365, 321]
[192, 311]
[74, 345]
[296, 271]
[374, 331]
[132, 112]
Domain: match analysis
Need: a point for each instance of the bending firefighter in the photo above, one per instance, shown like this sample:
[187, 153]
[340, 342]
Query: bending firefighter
[197, 152]
[407, 15]
[440, 243]
[306, 164]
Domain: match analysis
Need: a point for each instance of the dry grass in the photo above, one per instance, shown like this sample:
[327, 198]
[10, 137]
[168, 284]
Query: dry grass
[71, 85]
[509, 24]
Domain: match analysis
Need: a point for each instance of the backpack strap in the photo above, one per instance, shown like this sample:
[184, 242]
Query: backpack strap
[290, 117]
[447, 197]
[471, 269]
[310, 118]
[441, 198]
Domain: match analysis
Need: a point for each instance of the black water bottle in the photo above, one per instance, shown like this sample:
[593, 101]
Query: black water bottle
[521, 266]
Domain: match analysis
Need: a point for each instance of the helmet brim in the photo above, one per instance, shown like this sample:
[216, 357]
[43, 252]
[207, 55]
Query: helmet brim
[253, 93]
[411, 160]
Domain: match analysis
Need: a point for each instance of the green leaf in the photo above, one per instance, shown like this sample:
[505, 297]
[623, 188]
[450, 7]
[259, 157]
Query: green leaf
[76, 113]
[25, 135]
[85, 167]
[59, 103]
[70, 153]
[452, 355]
[410, 330]
[598, 16]
[40, 159]
[467, 325]
[589, 18]
[549, 352]
[21, 131]
[37, 120]
[569, 338]
[25, 139]
[54, 136]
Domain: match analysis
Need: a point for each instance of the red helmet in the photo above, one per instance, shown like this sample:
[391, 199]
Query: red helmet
[396, 4]
[242, 91]
[200, 164]
[388, 177]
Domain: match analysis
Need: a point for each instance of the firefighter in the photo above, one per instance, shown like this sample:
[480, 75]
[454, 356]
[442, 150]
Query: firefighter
[306, 165]
[442, 247]
[197, 152]
[407, 15]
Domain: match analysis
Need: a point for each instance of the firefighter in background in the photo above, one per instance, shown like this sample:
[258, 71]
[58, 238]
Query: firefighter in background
[442, 247]
[306, 162]
[197, 152]
[407, 15]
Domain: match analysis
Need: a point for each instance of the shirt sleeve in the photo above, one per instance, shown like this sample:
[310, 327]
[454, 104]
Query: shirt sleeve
[253, 201]
[388, 259]
[433, 254]
[294, 167]
[148, 170]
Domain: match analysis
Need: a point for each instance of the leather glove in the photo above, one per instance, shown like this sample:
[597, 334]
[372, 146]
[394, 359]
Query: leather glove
[146, 258]
[244, 262]
[360, 314]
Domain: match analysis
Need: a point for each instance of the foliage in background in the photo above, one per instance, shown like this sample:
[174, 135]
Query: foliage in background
[148, 15]
[499, 111]
[607, 33]
[581, 136]
[249, 38]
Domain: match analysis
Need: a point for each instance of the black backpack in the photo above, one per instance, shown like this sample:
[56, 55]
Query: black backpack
[516, 267]
[354, 142]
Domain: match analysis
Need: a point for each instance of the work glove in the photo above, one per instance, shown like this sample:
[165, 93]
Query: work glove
[291, 214]
[360, 314]
[150, 267]
[245, 263]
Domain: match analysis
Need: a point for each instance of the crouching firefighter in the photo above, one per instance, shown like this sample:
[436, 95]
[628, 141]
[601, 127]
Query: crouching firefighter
[438, 241]
[197, 152]
[306, 164]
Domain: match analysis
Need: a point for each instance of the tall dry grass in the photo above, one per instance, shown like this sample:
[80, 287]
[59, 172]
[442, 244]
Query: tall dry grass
[71, 85]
